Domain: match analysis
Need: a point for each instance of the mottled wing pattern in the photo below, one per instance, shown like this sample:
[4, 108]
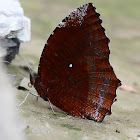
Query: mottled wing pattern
[74, 67]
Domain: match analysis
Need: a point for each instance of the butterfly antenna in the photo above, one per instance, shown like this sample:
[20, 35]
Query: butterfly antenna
[26, 65]
[4, 61]
[51, 106]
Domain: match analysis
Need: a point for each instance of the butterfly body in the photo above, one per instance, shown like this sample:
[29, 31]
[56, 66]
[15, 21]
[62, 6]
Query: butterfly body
[74, 70]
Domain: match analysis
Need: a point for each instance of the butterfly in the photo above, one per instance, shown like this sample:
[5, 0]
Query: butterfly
[74, 72]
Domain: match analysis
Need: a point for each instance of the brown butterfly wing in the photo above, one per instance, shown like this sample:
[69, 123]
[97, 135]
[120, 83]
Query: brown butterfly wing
[74, 68]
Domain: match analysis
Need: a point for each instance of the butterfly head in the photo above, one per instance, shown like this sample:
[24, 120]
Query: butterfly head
[32, 81]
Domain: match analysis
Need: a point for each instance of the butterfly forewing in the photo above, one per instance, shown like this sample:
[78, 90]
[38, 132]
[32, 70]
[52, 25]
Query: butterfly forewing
[74, 69]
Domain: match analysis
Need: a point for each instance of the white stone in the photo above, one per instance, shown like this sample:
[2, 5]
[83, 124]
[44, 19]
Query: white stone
[13, 23]
[10, 126]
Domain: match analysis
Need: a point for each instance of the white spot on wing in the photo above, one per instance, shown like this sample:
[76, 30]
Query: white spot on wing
[70, 65]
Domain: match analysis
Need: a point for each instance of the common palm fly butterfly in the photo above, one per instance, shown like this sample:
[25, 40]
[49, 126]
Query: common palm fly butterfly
[74, 72]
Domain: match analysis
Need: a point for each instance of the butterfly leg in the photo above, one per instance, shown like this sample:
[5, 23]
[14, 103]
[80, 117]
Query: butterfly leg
[34, 95]
[27, 96]
[24, 99]
[51, 106]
